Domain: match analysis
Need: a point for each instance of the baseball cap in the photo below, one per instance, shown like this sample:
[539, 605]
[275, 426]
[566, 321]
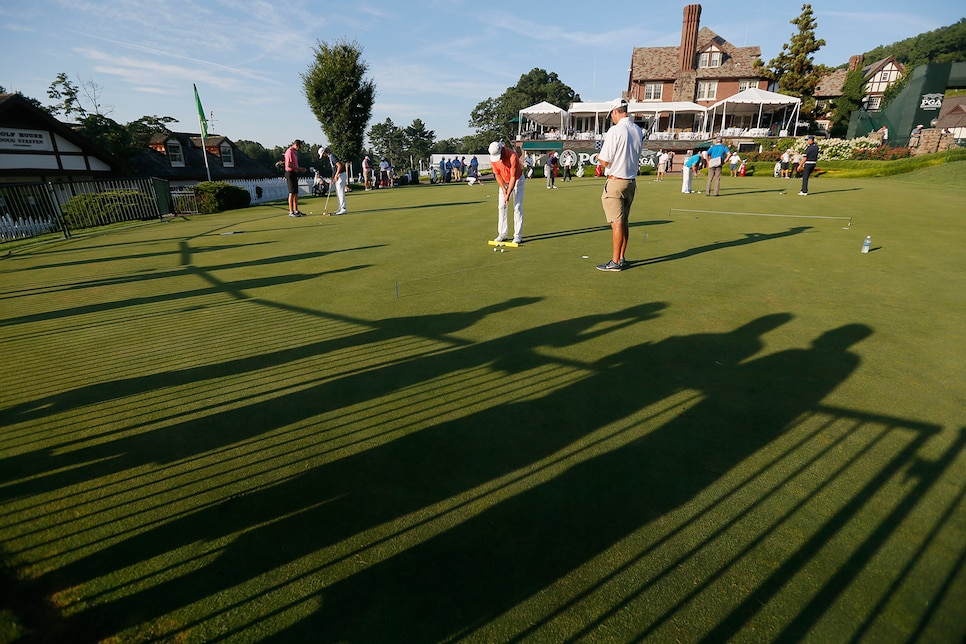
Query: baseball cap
[495, 150]
[810, 137]
[718, 139]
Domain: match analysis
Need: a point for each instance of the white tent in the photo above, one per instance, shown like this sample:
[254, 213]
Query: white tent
[673, 108]
[757, 101]
[544, 114]
[595, 109]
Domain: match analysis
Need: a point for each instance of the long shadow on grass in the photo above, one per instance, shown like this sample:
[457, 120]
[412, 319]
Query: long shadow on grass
[526, 539]
[329, 504]
[749, 238]
[467, 576]
[50, 469]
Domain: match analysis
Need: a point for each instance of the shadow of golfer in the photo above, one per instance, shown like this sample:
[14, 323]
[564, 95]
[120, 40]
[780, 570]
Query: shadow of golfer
[459, 580]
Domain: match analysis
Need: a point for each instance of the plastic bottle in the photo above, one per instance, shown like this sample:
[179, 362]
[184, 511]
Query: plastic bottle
[866, 244]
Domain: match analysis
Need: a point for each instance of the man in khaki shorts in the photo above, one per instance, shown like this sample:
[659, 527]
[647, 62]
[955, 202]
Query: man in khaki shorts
[620, 157]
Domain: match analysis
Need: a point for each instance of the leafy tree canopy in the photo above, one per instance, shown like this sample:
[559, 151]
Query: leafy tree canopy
[340, 96]
[943, 45]
[492, 117]
[794, 68]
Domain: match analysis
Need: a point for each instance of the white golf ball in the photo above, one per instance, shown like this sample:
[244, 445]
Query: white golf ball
[501, 250]
[495, 249]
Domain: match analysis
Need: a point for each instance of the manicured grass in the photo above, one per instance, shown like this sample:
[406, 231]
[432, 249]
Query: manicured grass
[375, 428]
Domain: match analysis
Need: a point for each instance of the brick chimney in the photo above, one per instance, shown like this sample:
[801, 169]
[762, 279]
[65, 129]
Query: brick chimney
[855, 62]
[686, 80]
[689, 36]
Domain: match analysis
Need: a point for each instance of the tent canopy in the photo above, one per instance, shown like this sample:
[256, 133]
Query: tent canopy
[755, 101]
[545, 114]
[664, 107]
[600, 107]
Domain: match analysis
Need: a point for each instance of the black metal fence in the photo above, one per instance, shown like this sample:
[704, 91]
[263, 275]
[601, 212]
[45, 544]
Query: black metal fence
[28, 210]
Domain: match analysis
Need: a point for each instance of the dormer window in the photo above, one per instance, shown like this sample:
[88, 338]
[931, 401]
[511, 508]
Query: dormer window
[227, 159]
[710, 58]
[175, 154]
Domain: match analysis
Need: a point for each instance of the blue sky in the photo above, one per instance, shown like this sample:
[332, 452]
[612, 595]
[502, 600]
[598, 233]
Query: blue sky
[433, 60]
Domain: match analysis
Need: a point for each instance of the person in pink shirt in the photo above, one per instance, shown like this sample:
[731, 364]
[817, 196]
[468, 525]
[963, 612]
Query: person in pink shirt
[292, 178]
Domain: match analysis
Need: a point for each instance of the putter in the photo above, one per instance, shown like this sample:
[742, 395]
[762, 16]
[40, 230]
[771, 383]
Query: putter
[325, 209]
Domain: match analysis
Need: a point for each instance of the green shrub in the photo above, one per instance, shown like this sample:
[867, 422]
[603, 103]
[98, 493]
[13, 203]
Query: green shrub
[101, 208]
[216, 196]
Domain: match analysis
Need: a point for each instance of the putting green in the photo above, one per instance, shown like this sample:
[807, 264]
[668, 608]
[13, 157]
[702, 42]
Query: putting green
[374, 428]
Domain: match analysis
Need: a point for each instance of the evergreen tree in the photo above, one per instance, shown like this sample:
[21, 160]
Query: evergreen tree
[339, 95]
[388, 140]
[418, 141]
[794, 69]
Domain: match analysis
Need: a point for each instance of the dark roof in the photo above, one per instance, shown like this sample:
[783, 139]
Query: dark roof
[18, 111]
[155, 164]
[661, 63]
[874, 68]
[953, 112]
[831, 84]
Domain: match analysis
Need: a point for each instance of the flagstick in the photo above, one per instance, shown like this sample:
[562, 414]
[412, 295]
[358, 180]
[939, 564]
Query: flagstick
[204, 131]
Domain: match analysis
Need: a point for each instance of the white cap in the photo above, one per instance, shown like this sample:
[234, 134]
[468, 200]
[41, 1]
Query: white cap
[496, 151]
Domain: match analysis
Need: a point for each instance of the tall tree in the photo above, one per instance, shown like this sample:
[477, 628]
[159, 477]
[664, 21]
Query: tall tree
[419, 140]
[794, 69]
[76, 100]
[388, 140]
[67, 95]
[492, 117]
[340, 96]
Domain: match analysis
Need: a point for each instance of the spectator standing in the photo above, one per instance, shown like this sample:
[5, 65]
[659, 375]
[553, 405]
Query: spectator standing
[785, 161]
[367, 172]
[384, 173]
[339, 177]
[442, 170]
[508, 172]
[811, 158]
[662, 159]
[567, 164]
[292, 170]
[620, 157]
[734, 161]
[457, 169]
[475, 166]
[716, 156]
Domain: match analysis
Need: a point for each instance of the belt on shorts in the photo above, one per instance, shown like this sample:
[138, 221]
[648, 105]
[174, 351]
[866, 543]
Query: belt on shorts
[610, 176]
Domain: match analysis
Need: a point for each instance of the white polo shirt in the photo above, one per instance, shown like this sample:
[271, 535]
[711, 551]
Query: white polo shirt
[622, 149]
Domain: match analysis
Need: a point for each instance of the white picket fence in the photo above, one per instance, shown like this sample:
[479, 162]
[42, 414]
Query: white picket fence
[273, 188]
[11, 228]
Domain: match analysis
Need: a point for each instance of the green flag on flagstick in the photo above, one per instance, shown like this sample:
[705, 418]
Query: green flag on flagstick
[201, 115]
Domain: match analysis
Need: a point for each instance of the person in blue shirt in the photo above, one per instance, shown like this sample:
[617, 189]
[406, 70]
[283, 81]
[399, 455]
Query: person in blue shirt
[691, 166]
[716, 156]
